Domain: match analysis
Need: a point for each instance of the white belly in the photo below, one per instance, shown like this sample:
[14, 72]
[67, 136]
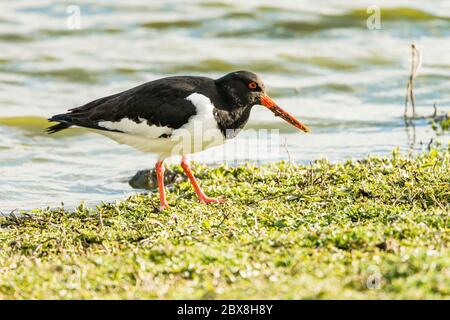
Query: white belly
[199, 133]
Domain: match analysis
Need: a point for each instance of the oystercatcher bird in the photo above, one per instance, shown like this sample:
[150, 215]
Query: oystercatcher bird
[176, 116]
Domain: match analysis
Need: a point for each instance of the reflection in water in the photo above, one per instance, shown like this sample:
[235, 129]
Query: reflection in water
[410, 129]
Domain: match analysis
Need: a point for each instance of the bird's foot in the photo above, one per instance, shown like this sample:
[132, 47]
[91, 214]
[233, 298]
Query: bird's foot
[163, 206]
[206, 200]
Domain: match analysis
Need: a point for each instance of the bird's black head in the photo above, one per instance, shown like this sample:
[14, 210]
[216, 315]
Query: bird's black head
[244, 89]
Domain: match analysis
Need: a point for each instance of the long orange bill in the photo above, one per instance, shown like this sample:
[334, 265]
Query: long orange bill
[272, 106]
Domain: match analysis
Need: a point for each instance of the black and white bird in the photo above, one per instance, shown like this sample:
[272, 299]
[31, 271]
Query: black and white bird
[176, 116]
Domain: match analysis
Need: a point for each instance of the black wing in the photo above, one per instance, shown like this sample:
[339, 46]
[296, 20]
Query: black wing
[161, 102]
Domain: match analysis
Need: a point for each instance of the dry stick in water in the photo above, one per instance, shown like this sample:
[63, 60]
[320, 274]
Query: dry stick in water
[415, 64]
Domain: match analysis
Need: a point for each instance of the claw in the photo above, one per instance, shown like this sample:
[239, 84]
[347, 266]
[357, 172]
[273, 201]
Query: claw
[211, 200]
[164, 206]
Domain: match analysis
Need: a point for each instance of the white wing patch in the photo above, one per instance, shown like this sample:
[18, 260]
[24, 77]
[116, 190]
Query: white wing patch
[204, 113]
[142, 129]
[201, 131]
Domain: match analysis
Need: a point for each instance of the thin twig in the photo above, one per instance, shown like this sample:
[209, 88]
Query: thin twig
[287, 151]
[100, 218]
[416, 61]
[429, 144]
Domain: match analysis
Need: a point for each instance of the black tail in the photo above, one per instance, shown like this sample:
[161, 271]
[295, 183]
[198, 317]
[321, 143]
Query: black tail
[67, 120]
[57, 127]
[63, 123]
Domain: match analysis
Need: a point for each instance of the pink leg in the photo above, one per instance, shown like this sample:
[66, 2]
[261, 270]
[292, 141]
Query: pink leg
[201, 195]
[159, 167]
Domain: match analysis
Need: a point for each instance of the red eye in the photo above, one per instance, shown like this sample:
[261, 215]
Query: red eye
[252, 85]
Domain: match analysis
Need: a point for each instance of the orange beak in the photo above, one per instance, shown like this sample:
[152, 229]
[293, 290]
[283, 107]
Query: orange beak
[272, 106]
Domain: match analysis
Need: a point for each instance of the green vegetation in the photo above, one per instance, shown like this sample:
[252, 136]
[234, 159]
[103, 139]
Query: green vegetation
[441, 124]
[374, 228]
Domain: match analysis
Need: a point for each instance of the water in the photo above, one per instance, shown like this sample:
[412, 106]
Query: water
[318, 59]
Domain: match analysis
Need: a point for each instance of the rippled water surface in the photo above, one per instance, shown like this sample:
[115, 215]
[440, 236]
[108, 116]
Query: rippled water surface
[318, 59]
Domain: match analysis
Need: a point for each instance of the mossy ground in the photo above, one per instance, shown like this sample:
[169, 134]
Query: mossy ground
[374, 228]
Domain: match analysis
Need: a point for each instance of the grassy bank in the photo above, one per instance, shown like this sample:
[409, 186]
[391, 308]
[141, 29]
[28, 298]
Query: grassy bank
[375, 228]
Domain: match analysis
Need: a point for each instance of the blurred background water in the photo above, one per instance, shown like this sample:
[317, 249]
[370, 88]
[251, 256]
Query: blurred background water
[318, 59]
